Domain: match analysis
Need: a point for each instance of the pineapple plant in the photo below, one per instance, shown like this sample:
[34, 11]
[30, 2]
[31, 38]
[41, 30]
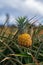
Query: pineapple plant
[24, 38]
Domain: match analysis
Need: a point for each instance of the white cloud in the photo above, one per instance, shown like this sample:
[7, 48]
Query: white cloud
[34, 6]
[24, 6]
[10, 3]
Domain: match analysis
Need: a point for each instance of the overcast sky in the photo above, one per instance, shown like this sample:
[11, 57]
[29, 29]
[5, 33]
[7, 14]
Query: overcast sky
[17, 8]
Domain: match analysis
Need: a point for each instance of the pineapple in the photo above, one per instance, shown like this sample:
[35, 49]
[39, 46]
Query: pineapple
[24, 38]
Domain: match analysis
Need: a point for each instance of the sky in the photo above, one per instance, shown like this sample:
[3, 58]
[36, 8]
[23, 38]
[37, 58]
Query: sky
[17, 8]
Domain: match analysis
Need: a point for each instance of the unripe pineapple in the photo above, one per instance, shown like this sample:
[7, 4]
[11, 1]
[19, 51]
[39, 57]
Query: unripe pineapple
[25, 40]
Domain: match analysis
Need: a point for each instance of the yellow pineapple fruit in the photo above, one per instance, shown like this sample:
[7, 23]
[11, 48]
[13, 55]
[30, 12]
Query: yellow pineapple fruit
[25, 40]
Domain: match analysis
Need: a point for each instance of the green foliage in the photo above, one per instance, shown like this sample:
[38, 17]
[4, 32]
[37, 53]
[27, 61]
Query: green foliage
[13, 54]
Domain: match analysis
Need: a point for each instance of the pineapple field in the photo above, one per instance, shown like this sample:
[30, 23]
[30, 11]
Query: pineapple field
[21, 44]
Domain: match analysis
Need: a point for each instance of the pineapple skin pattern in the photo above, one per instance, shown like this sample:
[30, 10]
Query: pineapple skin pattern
[25, 40]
